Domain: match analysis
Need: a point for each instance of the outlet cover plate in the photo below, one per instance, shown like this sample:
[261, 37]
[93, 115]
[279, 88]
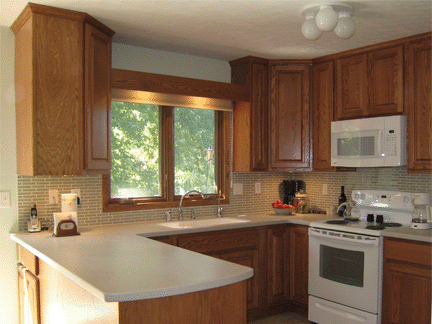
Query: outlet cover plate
[5, 199]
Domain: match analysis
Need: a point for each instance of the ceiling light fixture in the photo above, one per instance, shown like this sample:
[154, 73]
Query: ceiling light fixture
[321, 18]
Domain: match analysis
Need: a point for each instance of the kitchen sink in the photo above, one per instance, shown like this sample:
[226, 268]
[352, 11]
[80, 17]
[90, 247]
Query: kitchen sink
[198, 223]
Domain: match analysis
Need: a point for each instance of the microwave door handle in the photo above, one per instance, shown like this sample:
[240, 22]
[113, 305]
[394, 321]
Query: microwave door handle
[371, 242]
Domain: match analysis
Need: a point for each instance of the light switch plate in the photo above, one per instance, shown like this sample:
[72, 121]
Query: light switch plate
[5, 199]
[257, 188]
[237, 189]
[53, 197]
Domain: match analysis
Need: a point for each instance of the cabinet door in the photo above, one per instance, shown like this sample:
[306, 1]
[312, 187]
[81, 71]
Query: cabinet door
[247, 258]
[259, 118]
[277, 263]
[323, 105]
[386, 81]
[290, 118]
[407, 282]
[419, 106]
[250, 119]
[97, 99]
[351, 87]
[29, 296]
[299, 263]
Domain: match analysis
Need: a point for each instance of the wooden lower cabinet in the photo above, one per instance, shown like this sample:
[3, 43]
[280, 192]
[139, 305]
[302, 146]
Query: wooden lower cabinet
[52, 298]
[407, 282]
[277, 264]
[248, 258]
[29, 296]
[299, 264]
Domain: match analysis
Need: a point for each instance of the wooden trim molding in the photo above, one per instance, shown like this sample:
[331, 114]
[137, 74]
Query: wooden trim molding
[167, 84]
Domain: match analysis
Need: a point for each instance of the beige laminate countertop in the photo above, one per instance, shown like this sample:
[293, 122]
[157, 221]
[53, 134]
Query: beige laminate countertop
[119, 263]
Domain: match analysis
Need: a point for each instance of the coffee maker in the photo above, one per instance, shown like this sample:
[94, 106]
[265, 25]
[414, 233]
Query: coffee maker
[421, 218]
[290, 188]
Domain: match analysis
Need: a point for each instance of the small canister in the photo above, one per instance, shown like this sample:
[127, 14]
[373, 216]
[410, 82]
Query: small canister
[300, 205]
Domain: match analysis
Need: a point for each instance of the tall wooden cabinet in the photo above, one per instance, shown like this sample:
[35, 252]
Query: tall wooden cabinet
[250, 119]
[290, 117]
[407, 282]
[418, 92]
[322, 112]
[62, 75]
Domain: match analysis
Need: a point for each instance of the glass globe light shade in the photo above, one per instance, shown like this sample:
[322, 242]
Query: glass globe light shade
[345, 27]
[326, 18]
[310, 30]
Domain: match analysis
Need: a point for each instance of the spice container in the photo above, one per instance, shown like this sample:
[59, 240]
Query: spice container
[300, 205]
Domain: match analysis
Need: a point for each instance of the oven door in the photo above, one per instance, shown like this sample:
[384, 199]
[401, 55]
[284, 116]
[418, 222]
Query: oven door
[346, 268]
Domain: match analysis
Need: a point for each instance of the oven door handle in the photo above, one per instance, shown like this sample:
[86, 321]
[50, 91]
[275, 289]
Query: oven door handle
[340, 313]
[369, 241]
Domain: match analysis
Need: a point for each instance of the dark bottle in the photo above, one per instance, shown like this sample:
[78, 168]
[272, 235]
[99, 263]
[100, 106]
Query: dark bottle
[342, 199]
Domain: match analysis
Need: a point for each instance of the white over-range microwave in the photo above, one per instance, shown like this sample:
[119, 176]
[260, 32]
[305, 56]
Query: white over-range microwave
[369, 142]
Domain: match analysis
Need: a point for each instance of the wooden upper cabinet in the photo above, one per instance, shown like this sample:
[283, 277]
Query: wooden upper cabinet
[418, 91]
[386, 81]
[290, 117]
[370, 84]
[250, 119]
[351, 87]
[323, 106]
[97, 99]
[56, 86]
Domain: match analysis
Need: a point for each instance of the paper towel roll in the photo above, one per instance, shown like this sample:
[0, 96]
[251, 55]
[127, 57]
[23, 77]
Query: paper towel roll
[69, 203]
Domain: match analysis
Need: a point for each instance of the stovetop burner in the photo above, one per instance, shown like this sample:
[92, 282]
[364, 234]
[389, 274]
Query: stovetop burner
[343, 221]
[377, 227]
[389, 224]
[337, 222]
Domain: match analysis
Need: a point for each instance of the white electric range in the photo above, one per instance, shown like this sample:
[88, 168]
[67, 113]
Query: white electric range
[346, 256]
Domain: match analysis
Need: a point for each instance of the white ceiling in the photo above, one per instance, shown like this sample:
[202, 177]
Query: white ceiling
[229, 29]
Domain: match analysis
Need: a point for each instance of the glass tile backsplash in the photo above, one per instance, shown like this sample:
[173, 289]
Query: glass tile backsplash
[34, 190]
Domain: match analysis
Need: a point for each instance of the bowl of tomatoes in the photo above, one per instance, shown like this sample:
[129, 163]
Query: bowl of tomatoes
[281, 208]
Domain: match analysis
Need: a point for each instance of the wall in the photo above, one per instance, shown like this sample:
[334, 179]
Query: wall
[8, 179]
[35, 190]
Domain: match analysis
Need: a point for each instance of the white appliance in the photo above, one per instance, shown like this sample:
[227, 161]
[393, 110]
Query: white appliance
[369, 142]
[346, 256]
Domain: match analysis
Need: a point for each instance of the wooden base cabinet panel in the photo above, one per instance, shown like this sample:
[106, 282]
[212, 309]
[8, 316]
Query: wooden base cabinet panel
[277, 264]
[225, 304]
[407, 282]
[29, 296]
[299, 264]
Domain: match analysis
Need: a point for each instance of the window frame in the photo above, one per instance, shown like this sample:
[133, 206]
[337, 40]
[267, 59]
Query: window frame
[222, 151]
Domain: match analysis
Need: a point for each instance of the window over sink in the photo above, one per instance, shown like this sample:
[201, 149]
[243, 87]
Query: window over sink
[161, 151]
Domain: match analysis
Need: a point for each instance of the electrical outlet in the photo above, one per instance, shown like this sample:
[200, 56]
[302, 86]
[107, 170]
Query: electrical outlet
[325, 189]
[53, 197]
[5, 199]
[257, 188]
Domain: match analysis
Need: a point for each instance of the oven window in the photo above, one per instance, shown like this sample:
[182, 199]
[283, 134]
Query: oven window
[344, 266]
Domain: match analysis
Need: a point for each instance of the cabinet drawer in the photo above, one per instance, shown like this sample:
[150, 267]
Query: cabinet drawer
[408, 251]
[28, 260]
[219, 241]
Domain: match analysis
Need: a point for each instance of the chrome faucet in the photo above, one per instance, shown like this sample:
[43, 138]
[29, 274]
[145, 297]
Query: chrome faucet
[181, 201]
[220, 209]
